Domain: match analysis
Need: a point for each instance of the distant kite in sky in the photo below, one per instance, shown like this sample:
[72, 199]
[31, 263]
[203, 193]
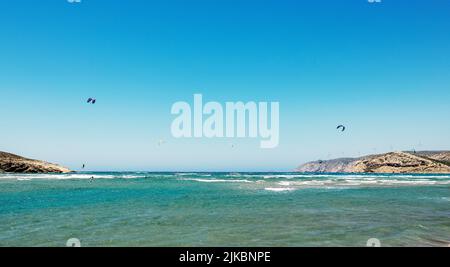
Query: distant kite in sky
[91, 100]
[341, 127]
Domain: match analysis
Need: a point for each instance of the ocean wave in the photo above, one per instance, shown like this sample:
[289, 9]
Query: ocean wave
[275, 176]
[215, 180]
[24, 179]
[294, 176]
[79, 176]
[259, 180]
[276, 189]
[201, 174]
[351, 183]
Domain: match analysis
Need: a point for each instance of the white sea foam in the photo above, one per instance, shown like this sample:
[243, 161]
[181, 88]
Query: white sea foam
[78, 176]
[363, 182]
[133, 176]
[341, 176]
[215, 180]
[276, 189]
[261, 180]
[186, 173]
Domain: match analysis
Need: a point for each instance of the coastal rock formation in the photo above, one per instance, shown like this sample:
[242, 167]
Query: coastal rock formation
[15, 164]
[394, 162]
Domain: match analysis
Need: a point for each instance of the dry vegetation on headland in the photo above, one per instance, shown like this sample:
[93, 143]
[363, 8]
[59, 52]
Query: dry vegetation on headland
[394, 162]
[15, 164]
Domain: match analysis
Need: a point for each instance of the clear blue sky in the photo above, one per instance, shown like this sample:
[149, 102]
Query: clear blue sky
[381, 69]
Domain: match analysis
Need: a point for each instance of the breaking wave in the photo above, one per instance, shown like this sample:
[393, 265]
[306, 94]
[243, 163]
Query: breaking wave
[273, 182]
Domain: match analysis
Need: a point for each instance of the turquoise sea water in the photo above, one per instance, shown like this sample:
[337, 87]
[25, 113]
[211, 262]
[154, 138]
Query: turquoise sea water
[224, 209]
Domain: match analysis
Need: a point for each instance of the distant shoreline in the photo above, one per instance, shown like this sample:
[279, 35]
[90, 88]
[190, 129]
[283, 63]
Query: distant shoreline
[421, 162]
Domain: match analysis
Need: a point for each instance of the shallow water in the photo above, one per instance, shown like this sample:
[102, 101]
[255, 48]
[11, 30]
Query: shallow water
[224, 209]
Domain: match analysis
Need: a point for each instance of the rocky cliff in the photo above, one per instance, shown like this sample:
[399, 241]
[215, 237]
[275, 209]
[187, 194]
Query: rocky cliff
[394, 162]
[15, 164]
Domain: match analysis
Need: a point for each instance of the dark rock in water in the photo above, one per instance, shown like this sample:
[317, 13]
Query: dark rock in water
[11, 163]
[394, 162]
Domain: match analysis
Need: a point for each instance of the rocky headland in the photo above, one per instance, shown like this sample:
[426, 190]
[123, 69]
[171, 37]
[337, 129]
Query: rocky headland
[10, 163]
[393, 162]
